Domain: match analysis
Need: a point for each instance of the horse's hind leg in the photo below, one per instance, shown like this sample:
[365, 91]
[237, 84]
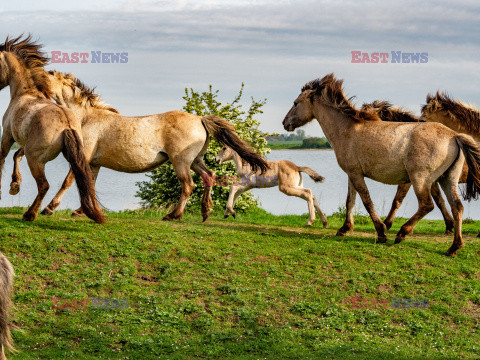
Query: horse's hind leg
[16, 175]
[207, 176]
[38, 172]
[183, 173]
[402, 191]
[438, 198]
[301, 192]
[422, 189]
[320, 212]
[349, 221]
[359, 183]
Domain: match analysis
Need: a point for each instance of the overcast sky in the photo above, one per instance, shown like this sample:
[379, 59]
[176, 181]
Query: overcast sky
[274, 47]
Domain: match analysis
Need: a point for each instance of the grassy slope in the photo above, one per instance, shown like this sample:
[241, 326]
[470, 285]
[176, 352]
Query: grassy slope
[259, 286]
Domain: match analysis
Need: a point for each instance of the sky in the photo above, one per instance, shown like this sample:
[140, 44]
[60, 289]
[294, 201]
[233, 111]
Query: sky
[274, 47]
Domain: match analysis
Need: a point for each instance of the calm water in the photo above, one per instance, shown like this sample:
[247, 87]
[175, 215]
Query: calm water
[116, 191]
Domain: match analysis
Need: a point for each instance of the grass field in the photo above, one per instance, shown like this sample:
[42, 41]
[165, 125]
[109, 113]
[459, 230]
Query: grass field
[258, 287]
[284, 145]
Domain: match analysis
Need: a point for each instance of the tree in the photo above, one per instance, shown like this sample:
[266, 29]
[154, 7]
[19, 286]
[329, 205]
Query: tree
[163, 189]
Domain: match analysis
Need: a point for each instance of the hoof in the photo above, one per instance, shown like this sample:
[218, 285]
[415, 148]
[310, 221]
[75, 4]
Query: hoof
[388, 225]
[398, 240]
[452, 251]
[75, 214]
[234, 215]
[478, 236]
[167, 218]
[171, 216]
[206, 215]
[46, 211]
[448, 232]
[381, 239]
[29, 216]
[308, 224]
[14, 188]
[340, 233]
[226, 216]
[325, 225]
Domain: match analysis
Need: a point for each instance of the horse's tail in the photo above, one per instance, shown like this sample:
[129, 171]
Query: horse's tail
[312, 173]
[73, 152]
[472, 157]
[6, 286]
[224, 132]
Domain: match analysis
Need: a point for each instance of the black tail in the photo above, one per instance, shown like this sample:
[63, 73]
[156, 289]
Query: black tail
[312, 173]
[73, 152]
[472, 156]
[225, 133]
[6, 286]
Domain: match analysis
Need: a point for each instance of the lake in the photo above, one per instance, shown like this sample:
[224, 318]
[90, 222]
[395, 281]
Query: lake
[116, 191]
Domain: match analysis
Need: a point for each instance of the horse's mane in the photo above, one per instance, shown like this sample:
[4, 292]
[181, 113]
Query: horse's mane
[387, 112]
[465, 115]
[83, 95]
[30, 54]
[331, 94]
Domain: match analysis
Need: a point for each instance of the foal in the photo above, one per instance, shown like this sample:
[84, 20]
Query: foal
[283, 173]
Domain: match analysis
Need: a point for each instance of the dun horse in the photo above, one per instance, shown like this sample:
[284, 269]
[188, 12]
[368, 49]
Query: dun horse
[389, 152]
[43, 129]
[6, 286]
[140, 144]
[284, 174]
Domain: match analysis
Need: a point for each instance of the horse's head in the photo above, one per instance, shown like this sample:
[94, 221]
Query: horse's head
[301, 111]
[225, 154]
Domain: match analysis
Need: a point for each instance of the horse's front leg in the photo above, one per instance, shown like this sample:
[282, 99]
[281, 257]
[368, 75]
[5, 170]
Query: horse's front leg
[183, 174]
[5, 146]
[402, 191]
[359, 183]
[16, 175]
[95, 170]
[350, 204]
[50, 208]
[437, 197]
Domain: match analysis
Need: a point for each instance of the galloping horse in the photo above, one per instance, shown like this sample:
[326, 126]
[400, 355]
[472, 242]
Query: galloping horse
[283, 173]
[140, 144]
[389, 152]
[42, 128]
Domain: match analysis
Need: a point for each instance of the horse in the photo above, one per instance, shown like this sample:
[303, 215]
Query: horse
[387, 112]
[140, 144]
[6, 288]
[43, 129]
[389, 152]
[284, 174]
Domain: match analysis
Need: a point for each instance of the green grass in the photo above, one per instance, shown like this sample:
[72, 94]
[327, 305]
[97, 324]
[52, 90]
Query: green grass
[284, 145]
[258, 287]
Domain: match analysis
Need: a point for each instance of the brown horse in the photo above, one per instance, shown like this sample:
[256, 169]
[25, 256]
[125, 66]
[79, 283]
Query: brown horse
[42, 128]
[140, 144]
[6, 286]
[389, 152]
[283, 173]
[388, 112]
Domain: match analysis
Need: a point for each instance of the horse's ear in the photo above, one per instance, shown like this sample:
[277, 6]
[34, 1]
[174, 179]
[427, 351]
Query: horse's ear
[309, 94]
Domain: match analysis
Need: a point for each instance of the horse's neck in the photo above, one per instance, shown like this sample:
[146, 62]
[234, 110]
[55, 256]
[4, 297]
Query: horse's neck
[333, 123]
[242, 168]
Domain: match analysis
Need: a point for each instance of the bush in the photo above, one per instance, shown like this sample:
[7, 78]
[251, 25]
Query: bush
[315, 143]
[163, 189]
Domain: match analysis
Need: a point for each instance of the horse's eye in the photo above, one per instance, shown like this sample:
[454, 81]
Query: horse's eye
[295, 103]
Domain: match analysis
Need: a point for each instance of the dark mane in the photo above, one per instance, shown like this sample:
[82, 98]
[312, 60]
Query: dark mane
[30, 54]
[331, 94]
[83, 94]
[387, 112]
[466, 116]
